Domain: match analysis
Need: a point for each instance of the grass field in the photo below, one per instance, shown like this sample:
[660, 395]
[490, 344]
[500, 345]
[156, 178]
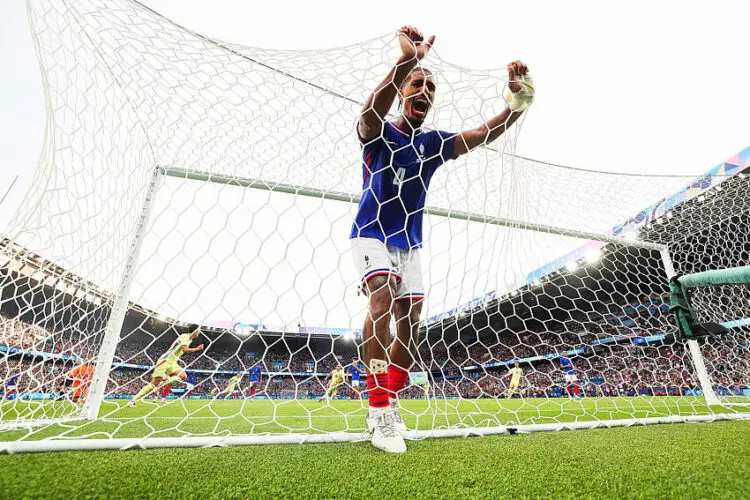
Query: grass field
[665, 461]
[221, 417]
[661, 461]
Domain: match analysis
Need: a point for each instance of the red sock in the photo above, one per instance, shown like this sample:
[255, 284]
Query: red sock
[397, 378]
[567, 389]
[575, 388]
[252, 393]
[377, 386]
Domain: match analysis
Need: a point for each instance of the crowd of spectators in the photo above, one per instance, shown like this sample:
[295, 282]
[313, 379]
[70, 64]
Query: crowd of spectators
[294, 367]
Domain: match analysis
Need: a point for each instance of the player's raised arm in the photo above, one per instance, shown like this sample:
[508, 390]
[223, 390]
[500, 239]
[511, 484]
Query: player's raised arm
[521, 96]
[413, 50]
[188, 350]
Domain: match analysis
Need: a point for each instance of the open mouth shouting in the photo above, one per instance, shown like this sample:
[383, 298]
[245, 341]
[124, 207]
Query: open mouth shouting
[419, 106]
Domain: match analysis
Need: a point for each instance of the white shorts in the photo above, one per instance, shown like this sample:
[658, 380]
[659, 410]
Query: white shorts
[570, 378]
[355, 383]
[374, 258]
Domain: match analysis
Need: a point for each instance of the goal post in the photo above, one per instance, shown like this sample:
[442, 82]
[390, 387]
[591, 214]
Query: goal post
[120, 307]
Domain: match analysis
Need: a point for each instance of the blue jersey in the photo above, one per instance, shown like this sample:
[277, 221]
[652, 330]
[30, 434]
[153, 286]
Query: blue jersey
[255, 373]
[567, 365]
[355, 372]
[12, 381]
[397, 170]
[192, 378]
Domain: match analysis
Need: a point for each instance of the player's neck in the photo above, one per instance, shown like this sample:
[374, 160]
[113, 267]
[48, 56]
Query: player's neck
[406, 126]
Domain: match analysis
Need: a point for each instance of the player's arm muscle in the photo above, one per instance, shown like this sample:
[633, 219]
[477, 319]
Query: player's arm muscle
[497, 125]
[486, 133]
[188, 350]
[379, 103]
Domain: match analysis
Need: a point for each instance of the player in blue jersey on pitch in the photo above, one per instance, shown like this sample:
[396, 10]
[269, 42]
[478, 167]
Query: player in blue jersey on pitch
[255, 376]
[566, 365]
[11, 387]
[192, 380]
[399, 160]
[355, 371]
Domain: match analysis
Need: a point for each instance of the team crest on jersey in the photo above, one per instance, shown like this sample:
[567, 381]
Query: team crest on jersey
[421, 151]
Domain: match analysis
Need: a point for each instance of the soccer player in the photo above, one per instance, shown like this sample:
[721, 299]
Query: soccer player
[355, 371]
[169, 366]
[11, 387]
[566, 365]
[256, 373]
[515, 379]
[165, 392]
[232, 387]
[336, 378]
[81, 377]
[192, 379]
[399, 159]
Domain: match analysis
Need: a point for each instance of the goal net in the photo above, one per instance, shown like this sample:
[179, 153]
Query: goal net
[188, 181]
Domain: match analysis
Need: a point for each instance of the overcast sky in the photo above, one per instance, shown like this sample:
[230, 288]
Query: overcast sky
[649, 87]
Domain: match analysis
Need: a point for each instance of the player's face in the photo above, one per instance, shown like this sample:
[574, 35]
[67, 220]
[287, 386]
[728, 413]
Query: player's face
[418, 95]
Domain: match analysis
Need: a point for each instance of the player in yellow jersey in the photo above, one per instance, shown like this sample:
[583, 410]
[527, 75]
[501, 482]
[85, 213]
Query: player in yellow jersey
[336, 379]
[515, 379]
[231, 387]
[168, 365]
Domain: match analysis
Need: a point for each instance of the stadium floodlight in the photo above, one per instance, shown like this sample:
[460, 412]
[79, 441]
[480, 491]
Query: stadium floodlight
[572, 266]
[188, 179]
[593, 256]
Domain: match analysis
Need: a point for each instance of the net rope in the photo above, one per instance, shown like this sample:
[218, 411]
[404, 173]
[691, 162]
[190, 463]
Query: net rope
[268, 274]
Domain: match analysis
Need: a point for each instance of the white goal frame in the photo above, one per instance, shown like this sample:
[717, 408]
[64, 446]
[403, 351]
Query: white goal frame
[121, 303]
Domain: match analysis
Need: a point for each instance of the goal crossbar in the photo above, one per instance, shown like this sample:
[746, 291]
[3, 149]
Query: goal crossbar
[280, 187]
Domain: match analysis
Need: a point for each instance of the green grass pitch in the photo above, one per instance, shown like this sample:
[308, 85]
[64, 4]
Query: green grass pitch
[664, 461]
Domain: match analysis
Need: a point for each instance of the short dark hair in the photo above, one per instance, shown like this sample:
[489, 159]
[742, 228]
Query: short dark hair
[414, 70]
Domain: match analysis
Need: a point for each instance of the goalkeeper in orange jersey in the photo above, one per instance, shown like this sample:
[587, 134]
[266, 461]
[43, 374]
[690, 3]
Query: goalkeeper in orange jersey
[399, 159]
[167, 370]
[80, 378]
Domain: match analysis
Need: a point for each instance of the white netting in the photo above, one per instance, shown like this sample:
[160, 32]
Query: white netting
[211, 162]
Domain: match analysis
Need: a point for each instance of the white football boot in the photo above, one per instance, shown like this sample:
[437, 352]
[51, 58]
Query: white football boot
[398, 421]
[384, 434]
